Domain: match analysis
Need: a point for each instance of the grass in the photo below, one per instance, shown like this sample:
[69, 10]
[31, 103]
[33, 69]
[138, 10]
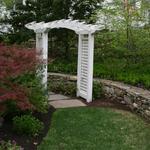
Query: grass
[132, 67]
[96, 129]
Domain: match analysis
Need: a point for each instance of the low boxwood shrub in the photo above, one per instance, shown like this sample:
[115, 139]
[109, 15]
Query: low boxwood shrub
[70, 88]
[28, 125]
[63, 86]
[97, 90]
[37, 94]
[9, 145]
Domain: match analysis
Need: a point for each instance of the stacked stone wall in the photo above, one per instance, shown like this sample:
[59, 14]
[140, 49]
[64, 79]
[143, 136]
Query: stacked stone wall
[136, 98]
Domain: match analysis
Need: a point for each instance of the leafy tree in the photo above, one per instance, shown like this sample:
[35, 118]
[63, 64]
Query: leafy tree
[123, 17]
[49, 10]
[8, 3]
[23, 14]
[75, 9]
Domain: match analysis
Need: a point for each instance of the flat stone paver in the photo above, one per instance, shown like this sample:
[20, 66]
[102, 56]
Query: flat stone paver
[67, 103]
[51, 93]
[57, 97]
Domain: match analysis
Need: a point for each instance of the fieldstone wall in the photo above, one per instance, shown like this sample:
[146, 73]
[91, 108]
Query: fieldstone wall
[137, 99]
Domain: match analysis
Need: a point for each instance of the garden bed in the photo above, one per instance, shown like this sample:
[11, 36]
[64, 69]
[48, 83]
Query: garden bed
[28, 143]
[107, 103]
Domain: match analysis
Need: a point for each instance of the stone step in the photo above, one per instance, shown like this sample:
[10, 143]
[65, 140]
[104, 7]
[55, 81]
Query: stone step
[67, 103]
[51, 93]
[57, 97]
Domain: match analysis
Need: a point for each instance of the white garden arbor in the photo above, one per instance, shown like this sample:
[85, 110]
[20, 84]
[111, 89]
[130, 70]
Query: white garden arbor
[85, 50]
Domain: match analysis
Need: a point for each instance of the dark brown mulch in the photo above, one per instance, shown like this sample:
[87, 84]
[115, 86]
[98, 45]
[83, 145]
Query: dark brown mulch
[107, 103]
[28, 143]
[110, 103]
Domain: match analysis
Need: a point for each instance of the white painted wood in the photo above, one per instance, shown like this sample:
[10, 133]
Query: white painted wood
[90, 67]
[79, 65]
[42, 54]
[76, 25]
[83, 67]
[85, 51]
[39, 41]
[45, 58]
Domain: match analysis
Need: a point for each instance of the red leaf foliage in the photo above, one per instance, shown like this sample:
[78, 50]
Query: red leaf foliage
[15, 61]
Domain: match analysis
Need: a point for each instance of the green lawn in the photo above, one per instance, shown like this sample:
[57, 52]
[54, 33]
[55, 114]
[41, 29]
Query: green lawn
[96, 129]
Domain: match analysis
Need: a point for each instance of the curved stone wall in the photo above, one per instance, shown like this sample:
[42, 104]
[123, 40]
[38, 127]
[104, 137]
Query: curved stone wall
[137, 99]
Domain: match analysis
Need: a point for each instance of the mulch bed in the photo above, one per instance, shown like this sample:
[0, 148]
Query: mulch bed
[26, 142]
[110, 103]
[107, 103]
[30, 143]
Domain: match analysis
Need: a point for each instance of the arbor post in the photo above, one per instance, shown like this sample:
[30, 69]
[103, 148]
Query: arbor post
[42, 53]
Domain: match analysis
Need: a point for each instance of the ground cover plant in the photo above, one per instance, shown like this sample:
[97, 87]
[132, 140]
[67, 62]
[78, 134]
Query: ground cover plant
[69, 88]
[96, 128]
[9, 146]
[27, 124]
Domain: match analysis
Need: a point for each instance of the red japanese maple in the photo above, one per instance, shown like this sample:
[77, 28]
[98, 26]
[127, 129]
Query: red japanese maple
[14, 62]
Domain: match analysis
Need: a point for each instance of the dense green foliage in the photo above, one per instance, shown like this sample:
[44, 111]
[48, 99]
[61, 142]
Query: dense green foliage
[28, 125]
[128, 66]
[122, 50]
[7, 3]
[96, 129]
[37, 94]
[70, 88]
[9, 145]
[46, 10]
[125, 17]
[63, 87]
[97, 90]
[112, 60]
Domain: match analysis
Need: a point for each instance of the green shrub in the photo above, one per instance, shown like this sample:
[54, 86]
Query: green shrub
[97, 90]
[70, 88]
[63, 65]
[63, 87]
[9, 145]
[28, 125]
[11, 110]
[36, 93]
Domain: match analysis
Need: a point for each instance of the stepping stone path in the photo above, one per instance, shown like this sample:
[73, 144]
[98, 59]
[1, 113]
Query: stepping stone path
[61, 101]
